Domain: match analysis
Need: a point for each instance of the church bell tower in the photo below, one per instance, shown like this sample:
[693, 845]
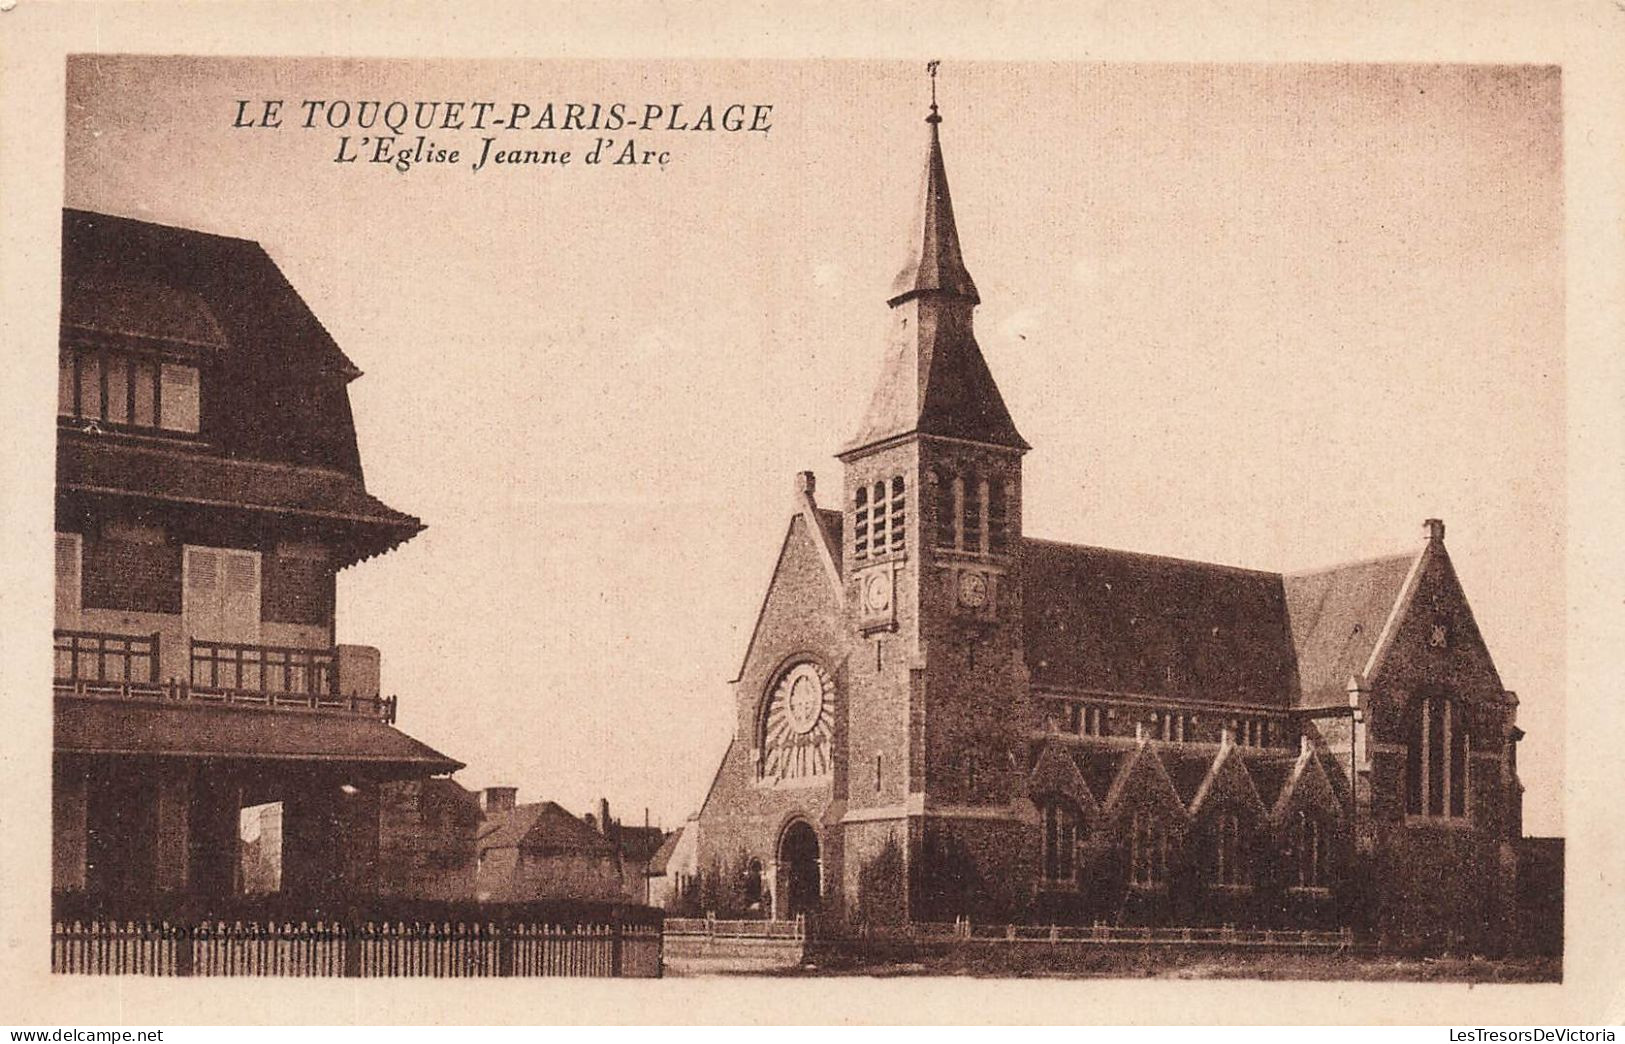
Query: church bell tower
[938, 682]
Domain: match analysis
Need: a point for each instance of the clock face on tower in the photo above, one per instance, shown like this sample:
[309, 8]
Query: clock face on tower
[877, 592]
[796, 729]
[972, 590]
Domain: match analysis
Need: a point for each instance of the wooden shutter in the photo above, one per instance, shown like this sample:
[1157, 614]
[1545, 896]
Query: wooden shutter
[240, 597]
[178, 397]
[201, 607]
[222, 595]
[68, 547]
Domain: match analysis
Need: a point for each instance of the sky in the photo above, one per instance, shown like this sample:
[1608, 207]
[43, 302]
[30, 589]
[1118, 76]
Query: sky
[1271, 316]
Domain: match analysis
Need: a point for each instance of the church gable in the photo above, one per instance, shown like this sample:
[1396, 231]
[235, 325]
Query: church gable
[1056, 774]
[1228, 786]
[801, 611]
[1307, 789]
[1143, 783]
[1434, 638]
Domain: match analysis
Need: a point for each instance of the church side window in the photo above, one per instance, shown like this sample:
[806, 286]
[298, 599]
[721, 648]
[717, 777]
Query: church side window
[1230, 863]
[1060, 842]
[1148, 852]
[1437, 758]
[1309, 852]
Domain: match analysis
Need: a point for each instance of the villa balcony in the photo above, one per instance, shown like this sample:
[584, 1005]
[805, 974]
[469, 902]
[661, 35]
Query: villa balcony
[280, 678]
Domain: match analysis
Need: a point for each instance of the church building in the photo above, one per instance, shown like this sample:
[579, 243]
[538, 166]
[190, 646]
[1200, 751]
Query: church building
[939, 717]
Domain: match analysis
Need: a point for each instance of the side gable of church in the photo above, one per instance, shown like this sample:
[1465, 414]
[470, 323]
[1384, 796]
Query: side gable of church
[1432, 644]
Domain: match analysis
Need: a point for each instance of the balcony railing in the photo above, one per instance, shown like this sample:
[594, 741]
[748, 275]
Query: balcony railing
[97, 657]
[268, 670]
[90, 663]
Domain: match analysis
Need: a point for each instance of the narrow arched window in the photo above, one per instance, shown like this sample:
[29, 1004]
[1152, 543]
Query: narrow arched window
[899, 513]
[1060, 842]
[1308, 851]
[998, 518]
[1231, 865]
[971, 525]
[1148, 851]
[945, 509]
[1437, 750]
[860, 523]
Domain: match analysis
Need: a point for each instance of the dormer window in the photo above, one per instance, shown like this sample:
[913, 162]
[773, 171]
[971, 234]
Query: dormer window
[128, 389]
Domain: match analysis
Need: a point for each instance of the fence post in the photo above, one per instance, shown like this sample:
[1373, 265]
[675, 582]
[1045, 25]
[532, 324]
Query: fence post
[185, 955]
[615, 944]
[350, 948]
[504, 933]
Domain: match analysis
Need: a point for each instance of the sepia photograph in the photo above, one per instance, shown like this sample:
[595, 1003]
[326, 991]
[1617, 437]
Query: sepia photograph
[809, 518]
[983, 514]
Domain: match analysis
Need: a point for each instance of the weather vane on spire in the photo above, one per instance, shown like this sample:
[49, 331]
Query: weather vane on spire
[931, 70]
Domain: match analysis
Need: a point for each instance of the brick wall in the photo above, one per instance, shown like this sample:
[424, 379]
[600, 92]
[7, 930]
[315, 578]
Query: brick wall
[121, 574]
[296, 589]
[744, 818]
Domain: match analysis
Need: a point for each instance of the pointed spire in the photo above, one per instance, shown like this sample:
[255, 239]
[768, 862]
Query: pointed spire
[935, 380]
[938, 266]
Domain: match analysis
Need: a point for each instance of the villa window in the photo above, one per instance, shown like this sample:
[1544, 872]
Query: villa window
[1437, 759]
[132, 390]
[1308, 852]
[1060, 842]
[1148, 852]
[1230, 863]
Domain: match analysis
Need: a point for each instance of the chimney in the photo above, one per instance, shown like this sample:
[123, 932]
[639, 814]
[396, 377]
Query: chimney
[603, 816]
[1435, 528]
[806, 489]
[498, 799]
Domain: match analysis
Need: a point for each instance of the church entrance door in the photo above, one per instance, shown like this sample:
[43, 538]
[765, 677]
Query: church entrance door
[799, 869]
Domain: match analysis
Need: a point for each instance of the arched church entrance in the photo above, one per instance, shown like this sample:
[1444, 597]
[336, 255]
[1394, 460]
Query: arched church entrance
[798, 871]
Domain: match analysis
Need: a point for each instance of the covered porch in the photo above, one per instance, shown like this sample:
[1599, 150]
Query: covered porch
[148, 798]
